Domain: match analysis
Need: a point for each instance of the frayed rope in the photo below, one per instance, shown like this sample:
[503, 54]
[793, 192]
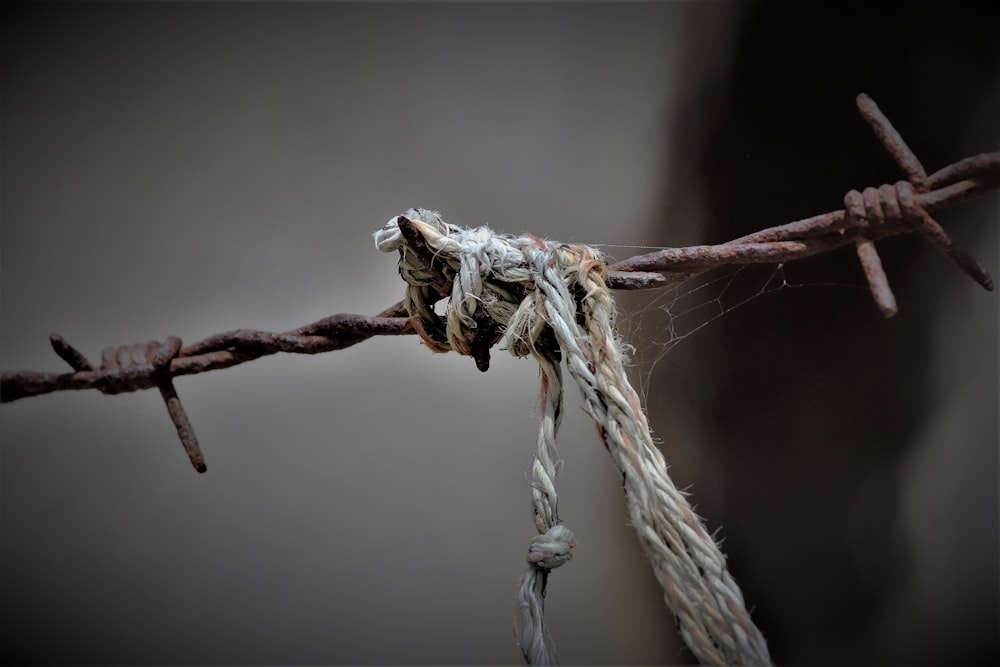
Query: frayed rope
[551, 300]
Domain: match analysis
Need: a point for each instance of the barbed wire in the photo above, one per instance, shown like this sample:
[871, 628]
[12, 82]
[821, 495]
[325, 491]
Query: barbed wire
[868, 216]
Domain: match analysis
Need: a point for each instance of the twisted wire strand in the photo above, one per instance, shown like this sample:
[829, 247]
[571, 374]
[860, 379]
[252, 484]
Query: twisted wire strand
[566, 310]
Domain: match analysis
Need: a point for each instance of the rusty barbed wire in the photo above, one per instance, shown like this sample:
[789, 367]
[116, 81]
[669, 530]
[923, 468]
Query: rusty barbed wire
[146, 365]
[868, 216]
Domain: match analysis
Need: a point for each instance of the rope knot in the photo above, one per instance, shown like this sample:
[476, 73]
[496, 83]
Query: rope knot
[489, 280]
[551, 549]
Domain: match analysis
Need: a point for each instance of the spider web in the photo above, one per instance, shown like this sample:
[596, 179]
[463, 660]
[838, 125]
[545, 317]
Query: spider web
[652, 324]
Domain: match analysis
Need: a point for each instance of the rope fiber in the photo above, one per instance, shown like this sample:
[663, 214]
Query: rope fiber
[551, 301]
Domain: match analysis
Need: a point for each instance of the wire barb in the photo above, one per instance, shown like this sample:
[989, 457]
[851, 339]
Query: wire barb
[870, 215]
[133, 367]
[153, 364]
[893, 141]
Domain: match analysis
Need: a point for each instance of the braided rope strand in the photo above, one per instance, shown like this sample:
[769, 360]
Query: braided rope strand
[552, 301]
[551, 547]
[687, 562]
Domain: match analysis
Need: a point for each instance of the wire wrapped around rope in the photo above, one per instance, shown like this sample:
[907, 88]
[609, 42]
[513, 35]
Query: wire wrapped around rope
[552, 300]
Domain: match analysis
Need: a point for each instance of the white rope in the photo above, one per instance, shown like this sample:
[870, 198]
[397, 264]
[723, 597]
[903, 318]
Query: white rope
[550, 300]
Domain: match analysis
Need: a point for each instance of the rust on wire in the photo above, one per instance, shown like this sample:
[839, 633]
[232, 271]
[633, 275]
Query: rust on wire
[133, 367]
[867, 216]
[69, 354]
[184, 429]
[893, 142]
[870, 215]
[877, 280]
[154, 364]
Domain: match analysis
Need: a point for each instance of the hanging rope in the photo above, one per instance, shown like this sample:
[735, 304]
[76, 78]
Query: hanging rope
[551, 300]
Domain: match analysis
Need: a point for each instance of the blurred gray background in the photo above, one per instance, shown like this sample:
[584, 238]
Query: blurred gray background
[193, 168]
